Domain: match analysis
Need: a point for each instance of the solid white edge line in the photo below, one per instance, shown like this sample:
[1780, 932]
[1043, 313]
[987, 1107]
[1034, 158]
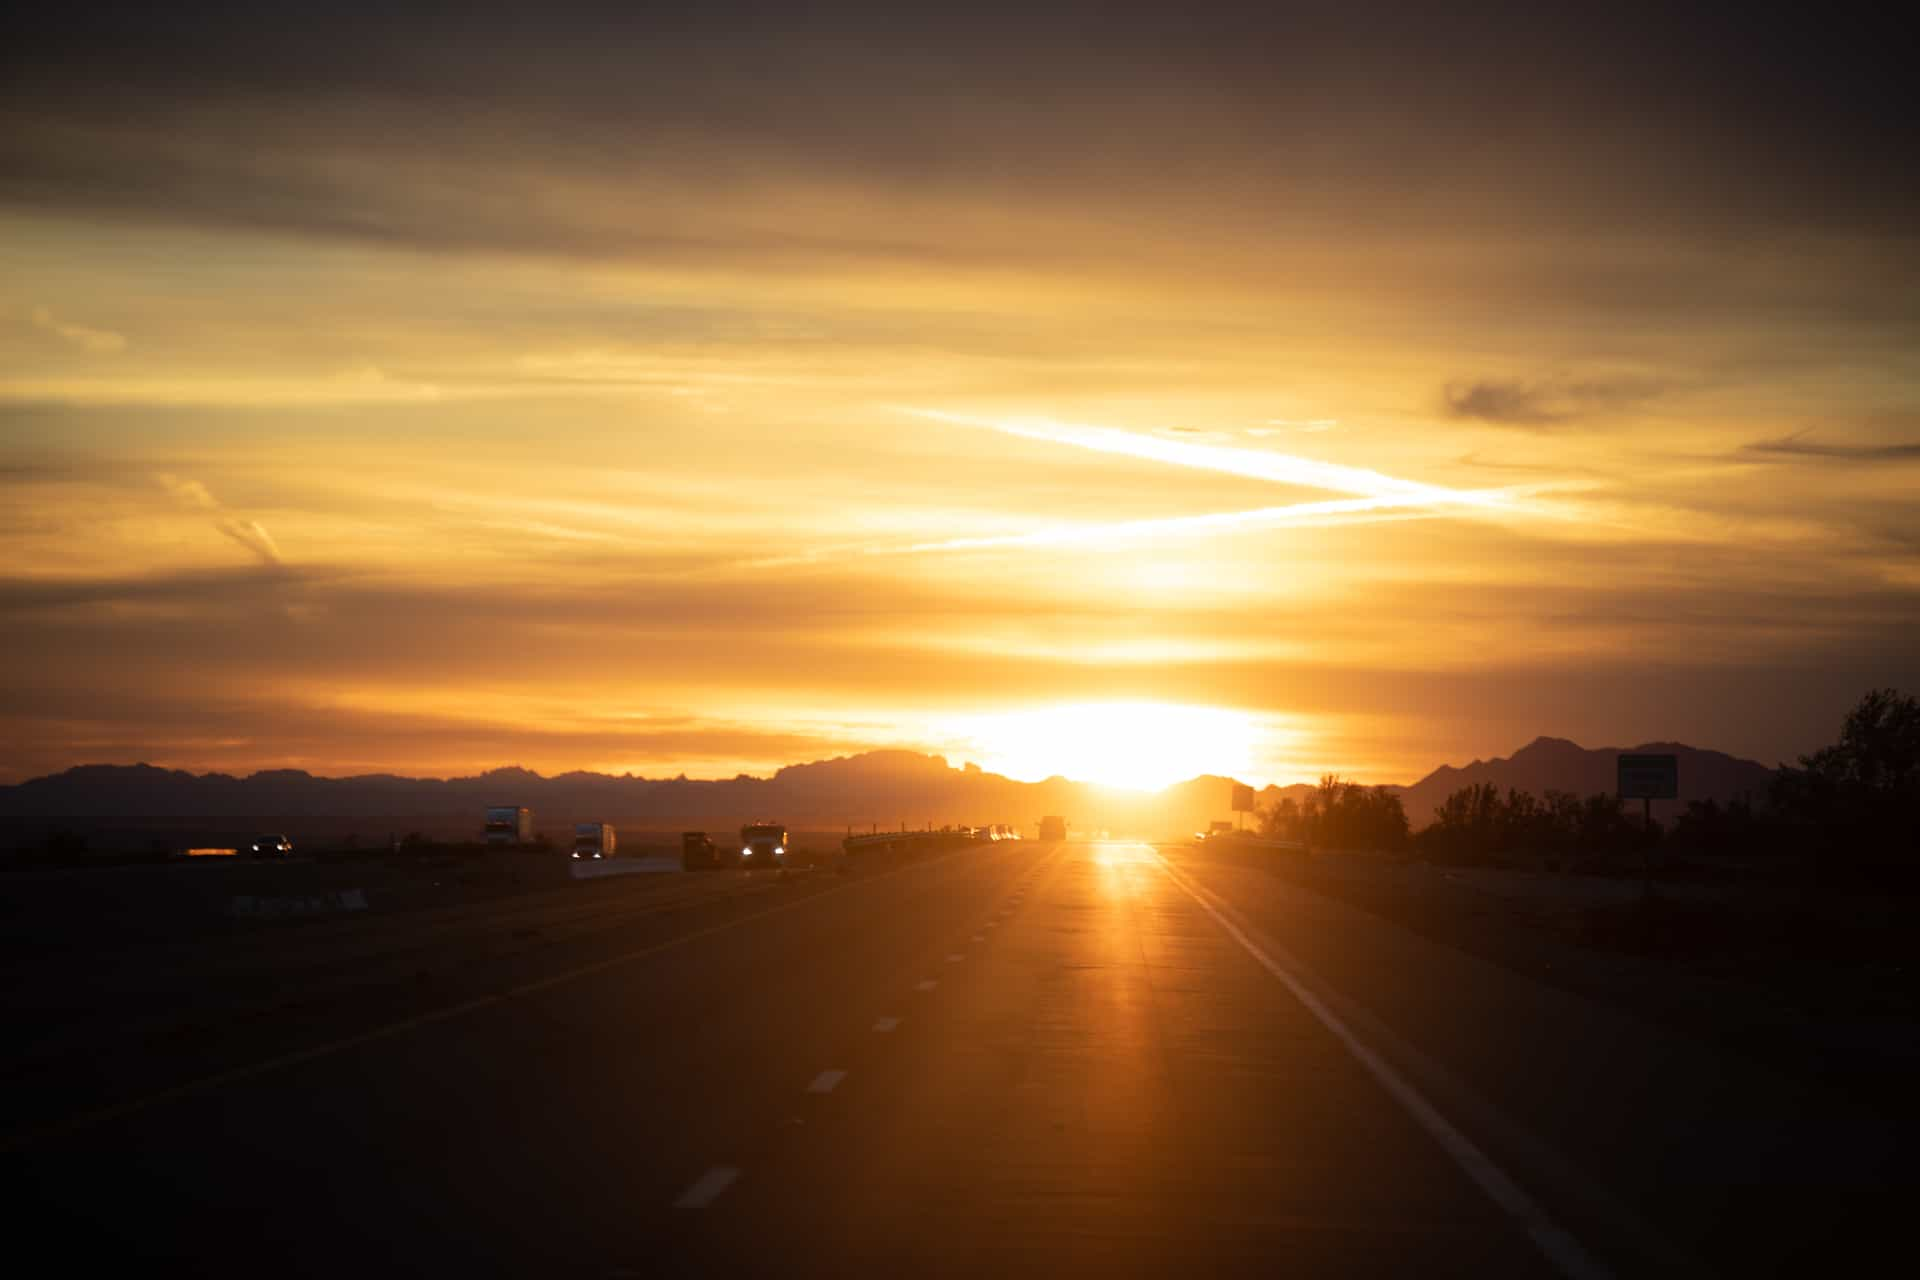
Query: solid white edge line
[707, 1187]
[1561, 1249]
[826, 1081]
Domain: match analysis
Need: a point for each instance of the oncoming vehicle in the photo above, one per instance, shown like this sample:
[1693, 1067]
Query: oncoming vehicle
[272, 846]
[763, 844]
[593, 840]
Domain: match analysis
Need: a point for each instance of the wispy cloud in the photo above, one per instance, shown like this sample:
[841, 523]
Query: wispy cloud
[1551, 403]
[1798, 446]
[249, 534]
[87, 338]
[188, 493]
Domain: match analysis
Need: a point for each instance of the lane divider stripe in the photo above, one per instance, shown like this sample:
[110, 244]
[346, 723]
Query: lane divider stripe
[21, 1138]
[707, 1187]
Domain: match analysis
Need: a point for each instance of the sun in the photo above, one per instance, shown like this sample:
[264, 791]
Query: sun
[1137, 745]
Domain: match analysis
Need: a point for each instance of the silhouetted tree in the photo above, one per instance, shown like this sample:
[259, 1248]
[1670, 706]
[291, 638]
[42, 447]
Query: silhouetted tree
[1711, 829]
[1857, 802]
[1340, 815]
[1478, 824]
[1854, 804]
[1282, 822]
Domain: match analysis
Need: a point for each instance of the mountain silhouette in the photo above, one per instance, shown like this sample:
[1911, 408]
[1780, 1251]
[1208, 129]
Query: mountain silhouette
[1555, 764]
[887, 789]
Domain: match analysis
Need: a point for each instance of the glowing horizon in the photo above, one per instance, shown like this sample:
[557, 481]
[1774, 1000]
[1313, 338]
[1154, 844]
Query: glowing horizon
[613, 410]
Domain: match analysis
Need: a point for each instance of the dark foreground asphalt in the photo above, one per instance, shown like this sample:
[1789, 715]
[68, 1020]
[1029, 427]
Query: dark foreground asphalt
[1017, 1059]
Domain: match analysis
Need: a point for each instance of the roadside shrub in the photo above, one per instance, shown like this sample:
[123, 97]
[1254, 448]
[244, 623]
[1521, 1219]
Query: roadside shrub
[1340, 815]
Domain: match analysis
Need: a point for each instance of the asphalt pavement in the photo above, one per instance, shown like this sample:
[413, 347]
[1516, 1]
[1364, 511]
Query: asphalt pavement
[1084, 1059]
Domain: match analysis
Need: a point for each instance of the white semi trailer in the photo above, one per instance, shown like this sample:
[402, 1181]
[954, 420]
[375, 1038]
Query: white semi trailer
[509, 824]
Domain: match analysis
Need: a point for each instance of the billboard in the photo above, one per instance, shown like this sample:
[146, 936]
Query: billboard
[1649, 777]
[1242, 798]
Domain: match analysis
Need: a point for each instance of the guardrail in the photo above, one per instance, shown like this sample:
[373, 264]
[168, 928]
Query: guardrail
[902, 842]
[1252, 842]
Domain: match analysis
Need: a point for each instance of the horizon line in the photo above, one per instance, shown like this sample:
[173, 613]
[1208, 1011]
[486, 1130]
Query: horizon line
[962, 768]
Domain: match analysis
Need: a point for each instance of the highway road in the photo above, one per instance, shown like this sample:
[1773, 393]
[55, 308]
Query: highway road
[1083, 1059]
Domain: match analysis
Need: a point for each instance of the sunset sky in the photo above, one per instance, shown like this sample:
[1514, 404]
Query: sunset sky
[1123, 394]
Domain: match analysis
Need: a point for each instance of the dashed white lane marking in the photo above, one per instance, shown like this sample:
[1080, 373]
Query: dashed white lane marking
[993, 924]
[979, 937]
[826, 1081]
[20, 1138]
[707, 1187]
[928, 985]
[1560, 1248]
[955, 958]
[886, 1024]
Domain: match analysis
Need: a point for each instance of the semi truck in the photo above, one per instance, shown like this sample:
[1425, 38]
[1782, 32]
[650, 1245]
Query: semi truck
[509, 824]
[763, 844]
[593, 840]
[1053, 828]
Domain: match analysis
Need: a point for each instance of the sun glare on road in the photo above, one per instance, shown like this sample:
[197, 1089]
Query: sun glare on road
[1116, 855]
[1138, 745]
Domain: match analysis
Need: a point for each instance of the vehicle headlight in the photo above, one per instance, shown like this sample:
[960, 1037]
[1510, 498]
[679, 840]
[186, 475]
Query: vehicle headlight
[746, 853]
[780, 848]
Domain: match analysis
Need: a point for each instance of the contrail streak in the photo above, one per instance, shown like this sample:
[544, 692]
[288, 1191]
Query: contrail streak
[1377, 496]
[1331, 511]
[1258, 464]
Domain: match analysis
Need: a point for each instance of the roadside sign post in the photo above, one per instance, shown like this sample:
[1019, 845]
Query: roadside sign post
[1647, 777]
[1242, 800]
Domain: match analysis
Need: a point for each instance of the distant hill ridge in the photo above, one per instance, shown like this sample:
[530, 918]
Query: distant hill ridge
[883, 787]
[1555, 764]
